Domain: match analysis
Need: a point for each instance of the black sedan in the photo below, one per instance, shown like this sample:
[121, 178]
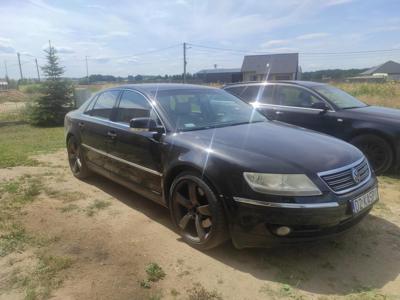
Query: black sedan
[324, 108]
[223, 169]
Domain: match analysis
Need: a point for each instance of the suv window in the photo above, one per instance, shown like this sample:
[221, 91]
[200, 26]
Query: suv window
[294, 96]
[104, 104]
[132, 105]
[252, 93]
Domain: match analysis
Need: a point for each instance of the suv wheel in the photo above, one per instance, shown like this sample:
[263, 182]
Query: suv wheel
[377, 150]
[197, 213]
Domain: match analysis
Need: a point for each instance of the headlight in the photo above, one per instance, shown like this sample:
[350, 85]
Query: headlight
[282, 184]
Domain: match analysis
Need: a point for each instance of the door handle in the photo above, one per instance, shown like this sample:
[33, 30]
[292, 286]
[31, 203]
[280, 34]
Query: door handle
[112, 134]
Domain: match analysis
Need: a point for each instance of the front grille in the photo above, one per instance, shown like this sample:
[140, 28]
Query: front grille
[348, 178]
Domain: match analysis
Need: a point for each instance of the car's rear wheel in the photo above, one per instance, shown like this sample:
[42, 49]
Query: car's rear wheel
[76, 160]
[197, 213]
[377, 150]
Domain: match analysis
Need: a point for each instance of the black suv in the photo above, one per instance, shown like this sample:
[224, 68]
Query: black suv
[322, 107]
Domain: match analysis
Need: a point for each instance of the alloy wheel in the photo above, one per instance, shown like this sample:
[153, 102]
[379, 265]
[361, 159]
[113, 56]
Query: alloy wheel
[75, 162]
[192, 211]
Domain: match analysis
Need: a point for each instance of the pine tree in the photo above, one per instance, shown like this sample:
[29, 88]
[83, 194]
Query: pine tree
[56, 100]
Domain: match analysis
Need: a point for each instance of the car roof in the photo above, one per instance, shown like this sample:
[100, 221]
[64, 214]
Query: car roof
[151, 89]
[292, 82]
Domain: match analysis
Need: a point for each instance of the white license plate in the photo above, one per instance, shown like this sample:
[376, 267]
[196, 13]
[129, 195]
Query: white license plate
[364, 201]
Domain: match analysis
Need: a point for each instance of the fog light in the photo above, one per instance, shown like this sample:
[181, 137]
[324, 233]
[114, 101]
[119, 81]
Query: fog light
[283, 230]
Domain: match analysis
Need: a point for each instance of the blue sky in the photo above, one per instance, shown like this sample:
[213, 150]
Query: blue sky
[116, 35]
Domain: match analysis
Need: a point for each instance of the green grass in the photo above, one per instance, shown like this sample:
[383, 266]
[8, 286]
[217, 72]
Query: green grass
[381, 94]
[154, 272]
[19, 142]
[34, 88]
[14, 195]
[40, 282]
[14, 240]
[96, 206]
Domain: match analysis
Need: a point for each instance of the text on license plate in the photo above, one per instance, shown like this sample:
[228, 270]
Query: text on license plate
[364, 201]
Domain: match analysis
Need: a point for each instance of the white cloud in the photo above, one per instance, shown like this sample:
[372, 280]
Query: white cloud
[336, 2]
[96, 6]
[5, 46]
[65, 50]
[387, 28]
[273, 43]
[312, 36]
[43, 5]
[115, 34]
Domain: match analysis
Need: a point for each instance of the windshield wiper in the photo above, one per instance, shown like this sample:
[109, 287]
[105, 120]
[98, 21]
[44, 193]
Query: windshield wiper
[350, 107]
[218, 125]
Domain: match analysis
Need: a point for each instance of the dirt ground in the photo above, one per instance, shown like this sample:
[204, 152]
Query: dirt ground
[111, 244]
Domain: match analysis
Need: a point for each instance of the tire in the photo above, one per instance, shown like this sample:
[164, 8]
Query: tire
[76, 160]
[377, 150]
[196, 212]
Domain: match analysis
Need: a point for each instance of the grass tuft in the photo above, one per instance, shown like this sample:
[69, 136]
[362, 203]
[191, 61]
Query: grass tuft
[14, 240]
[40, 282]
[96, 206]
[154, 272]
[198, 292]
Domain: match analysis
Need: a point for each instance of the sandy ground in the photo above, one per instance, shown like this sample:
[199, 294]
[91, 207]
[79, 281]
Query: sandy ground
[111, 249]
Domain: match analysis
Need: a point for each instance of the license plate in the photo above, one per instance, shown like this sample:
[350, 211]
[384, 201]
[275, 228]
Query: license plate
[364, 201]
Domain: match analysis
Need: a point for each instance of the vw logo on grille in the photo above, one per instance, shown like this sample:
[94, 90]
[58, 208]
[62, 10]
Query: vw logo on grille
[356, 175]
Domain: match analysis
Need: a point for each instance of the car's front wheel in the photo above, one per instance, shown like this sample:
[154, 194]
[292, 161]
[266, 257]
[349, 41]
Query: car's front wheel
[76, 160]
[377, 150]
[196, 212]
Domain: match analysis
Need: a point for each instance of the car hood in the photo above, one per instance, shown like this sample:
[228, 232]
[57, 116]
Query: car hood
[379, 113]
[273, 147]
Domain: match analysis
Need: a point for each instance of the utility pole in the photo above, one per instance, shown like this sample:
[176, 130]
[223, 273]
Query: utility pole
[87, 70]
[5, 69]
[20, 68]
[184, 62]
[37, 69]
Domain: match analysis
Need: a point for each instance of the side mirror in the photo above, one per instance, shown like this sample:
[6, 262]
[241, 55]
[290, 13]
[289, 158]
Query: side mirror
[145, 124]
[320, 105]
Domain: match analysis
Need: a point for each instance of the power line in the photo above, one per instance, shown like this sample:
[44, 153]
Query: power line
[300, 52]
[184, 62]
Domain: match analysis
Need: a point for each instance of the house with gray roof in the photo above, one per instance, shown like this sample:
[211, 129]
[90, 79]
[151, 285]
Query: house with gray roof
[283, 66]
[389, 70]
[219, 75]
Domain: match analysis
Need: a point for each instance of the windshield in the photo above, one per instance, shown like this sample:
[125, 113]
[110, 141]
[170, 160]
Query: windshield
[338, 97]
[192, 109]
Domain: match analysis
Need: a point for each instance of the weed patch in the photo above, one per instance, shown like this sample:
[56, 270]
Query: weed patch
[198, 292]
[96, 206]
[43, 279]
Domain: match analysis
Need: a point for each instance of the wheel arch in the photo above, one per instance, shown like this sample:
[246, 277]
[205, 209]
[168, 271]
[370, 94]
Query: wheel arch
[186, 167]
[378, 133]
[69, 135]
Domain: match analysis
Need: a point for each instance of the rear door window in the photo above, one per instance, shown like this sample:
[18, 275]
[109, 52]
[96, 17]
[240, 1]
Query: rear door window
[104, 104]
[253, 93]
[294, 96]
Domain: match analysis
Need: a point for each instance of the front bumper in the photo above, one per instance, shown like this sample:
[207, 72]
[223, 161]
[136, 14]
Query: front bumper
[253, 223]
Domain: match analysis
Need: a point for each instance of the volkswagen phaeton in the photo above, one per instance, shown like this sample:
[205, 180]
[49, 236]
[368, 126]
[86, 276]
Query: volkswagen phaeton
[222, 169]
